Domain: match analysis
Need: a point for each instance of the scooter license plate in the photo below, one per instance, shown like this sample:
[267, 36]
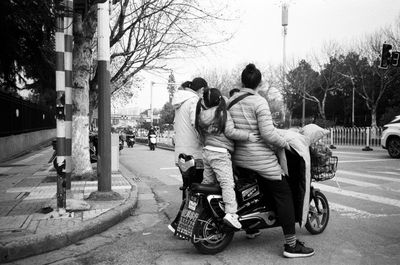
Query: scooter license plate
[193, 201]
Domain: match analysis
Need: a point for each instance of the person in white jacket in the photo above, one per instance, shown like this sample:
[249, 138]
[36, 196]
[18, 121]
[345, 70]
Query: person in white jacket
[184, 102]
[186, 138]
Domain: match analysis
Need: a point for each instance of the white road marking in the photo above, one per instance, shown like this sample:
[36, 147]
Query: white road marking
[168, 168]
[364, 175]
[387, 172]
[366, 160]
[365, 184]
[358, 195]
[4, 169]
[357, 183]
[354, 213]
[359, 153]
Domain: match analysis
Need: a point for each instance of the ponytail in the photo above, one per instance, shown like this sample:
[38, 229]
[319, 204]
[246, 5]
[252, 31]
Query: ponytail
[196, 122]
[221, 115]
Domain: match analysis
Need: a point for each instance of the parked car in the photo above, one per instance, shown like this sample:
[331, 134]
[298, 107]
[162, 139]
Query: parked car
[391, 137]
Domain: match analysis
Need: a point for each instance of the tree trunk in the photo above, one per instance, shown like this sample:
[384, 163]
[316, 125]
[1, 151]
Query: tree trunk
[82, 59]
[373, 115]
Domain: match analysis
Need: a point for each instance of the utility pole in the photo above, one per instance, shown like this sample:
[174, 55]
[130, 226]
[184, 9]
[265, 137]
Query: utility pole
[103, 66]
[60, 109]
[151, 103]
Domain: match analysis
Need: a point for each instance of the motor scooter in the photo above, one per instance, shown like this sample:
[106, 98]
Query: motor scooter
[201, 215]
[152, 141]
[130, 140]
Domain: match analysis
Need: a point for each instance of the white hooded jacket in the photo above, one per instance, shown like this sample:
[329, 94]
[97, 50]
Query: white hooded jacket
[186, 138]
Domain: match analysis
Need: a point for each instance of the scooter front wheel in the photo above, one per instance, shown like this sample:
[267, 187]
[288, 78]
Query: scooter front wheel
[318, 214]
[209, 237]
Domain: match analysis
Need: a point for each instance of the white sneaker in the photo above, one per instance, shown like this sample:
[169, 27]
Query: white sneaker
[232, 220]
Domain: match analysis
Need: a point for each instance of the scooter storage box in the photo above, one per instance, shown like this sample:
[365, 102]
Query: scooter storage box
[247, 190]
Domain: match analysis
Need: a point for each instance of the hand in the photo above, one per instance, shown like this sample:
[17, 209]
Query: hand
[254, 137]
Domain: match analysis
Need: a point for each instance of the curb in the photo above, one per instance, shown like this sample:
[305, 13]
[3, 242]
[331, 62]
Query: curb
[38, 244]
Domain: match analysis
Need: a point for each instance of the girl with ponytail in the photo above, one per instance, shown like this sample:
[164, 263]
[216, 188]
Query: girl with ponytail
[217, 130]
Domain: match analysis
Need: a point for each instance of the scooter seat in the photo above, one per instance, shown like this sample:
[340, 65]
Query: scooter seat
[206, 188]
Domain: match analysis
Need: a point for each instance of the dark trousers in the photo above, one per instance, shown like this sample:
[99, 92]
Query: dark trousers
[281, 194]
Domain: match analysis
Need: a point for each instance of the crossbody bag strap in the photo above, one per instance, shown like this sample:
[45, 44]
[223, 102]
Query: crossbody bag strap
[239, 98]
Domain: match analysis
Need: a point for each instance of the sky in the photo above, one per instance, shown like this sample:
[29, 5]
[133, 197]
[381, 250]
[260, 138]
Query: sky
[259, 39]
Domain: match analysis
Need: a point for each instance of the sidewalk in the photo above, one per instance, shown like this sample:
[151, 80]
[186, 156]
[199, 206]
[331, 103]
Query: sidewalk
[29, 221]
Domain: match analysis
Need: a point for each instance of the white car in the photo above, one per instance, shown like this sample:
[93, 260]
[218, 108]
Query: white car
[391, 137]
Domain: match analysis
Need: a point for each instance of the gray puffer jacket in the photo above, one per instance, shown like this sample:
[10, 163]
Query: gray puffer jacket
[252, 113]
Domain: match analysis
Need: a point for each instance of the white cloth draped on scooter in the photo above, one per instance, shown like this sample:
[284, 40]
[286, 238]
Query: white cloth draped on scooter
[300, 144]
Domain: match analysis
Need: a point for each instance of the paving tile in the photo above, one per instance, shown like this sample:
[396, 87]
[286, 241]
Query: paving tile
[10, 223]
[7, 206]
[28, 207]
[28, 182]
[42, 192]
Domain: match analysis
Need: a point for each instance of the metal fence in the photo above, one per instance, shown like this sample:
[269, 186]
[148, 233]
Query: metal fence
[361, 136]
[20, 116]
[357, 136]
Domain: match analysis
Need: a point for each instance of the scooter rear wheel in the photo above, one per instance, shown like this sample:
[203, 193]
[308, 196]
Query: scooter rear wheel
[318, 214]
[209, 237]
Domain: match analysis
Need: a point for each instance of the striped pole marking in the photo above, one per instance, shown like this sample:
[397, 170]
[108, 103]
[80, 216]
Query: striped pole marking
[68, 38]
[60, 102]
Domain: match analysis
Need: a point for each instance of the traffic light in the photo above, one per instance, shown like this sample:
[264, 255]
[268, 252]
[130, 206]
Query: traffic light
[385, 56]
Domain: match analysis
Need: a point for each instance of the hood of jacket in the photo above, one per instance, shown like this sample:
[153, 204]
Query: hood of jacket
[206, 117]
[181, 96]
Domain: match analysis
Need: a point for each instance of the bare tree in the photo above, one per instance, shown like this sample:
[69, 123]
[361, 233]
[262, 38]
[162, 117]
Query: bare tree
[224, 80]
[144, 34]
[327, 80]
[371, 49]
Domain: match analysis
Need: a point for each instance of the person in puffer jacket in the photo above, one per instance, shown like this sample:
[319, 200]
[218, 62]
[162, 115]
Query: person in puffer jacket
[252, 113]
[216, 130]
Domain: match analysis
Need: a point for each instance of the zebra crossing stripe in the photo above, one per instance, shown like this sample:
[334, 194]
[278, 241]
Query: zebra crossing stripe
[357, 183]
[354, 213]
[364, 160]
[358, 195]
[4, 169]
[363, 175]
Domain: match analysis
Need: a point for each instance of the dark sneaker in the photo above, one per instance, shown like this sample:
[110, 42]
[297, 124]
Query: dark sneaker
[252, 233]
[298, 251]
